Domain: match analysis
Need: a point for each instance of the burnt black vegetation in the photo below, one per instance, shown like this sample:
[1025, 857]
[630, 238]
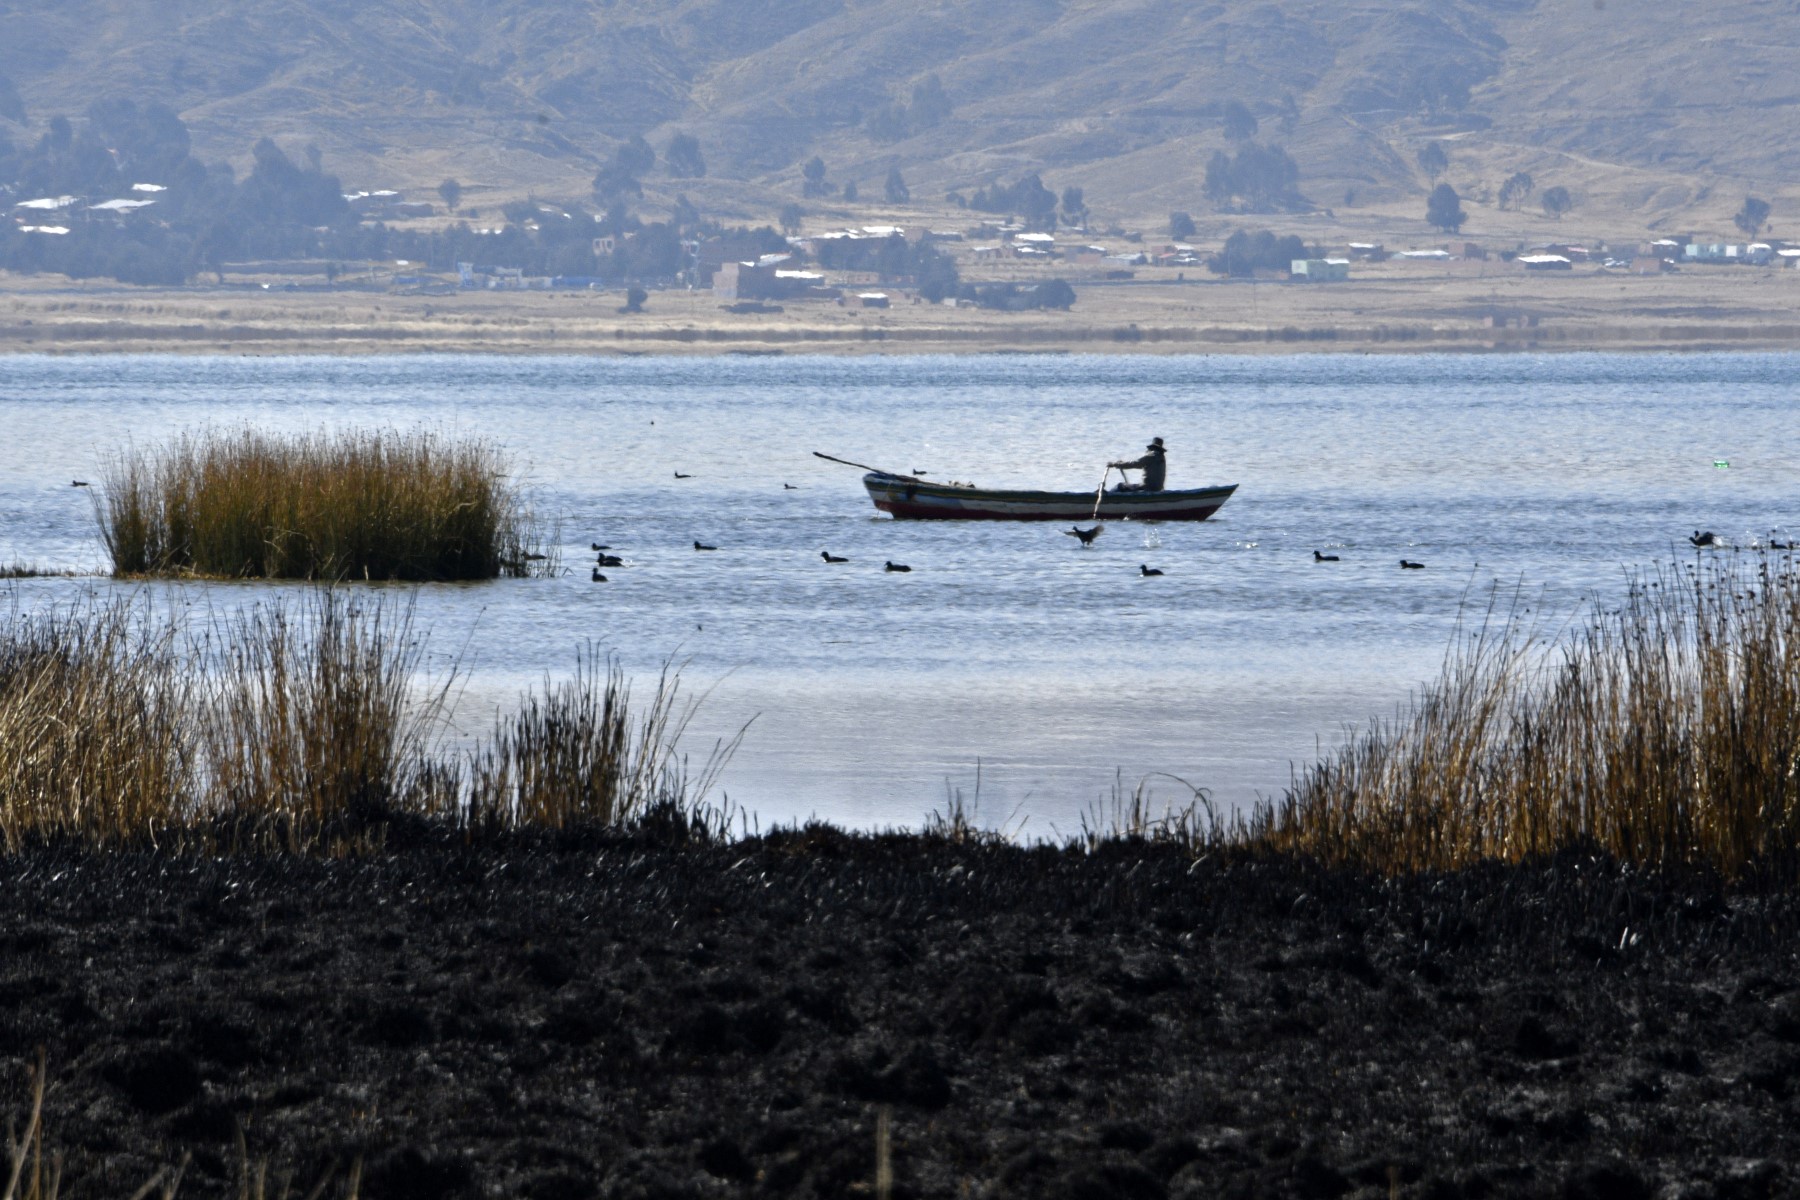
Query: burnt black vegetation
[659, 1011]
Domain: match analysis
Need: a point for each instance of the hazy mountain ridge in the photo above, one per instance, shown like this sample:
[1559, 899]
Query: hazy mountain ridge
[1123, 97]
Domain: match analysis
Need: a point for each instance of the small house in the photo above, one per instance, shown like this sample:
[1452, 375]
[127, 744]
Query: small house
[1320, 270]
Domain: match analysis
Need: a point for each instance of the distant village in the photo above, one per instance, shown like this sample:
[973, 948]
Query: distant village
[1019, 262]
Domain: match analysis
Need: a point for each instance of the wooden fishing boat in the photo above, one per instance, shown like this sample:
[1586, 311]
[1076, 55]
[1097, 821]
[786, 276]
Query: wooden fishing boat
[908, 498]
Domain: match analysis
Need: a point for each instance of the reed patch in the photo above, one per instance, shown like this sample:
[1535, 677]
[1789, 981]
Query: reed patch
[360, 504]
[1664, 730]
[306, 726]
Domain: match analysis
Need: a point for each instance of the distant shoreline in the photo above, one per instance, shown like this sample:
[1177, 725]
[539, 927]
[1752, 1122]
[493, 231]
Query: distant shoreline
[1423, 312]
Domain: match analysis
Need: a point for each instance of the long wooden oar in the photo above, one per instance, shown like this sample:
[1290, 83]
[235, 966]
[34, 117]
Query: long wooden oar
[1099, 492]
[865, 467]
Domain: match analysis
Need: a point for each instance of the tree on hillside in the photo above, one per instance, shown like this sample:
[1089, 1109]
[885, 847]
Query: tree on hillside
[682, 157]
[897, 191]
[683, 215]
[1556, 201]
[1518, 185]
[790, 218]
[451, 191]
[1433, 161]
[12, 106]
[895, 120]
[1074, 206]
[1256, 179]
[1752, 217]
[1027, 199]
[1181, 226]
[1444, 208]
[636, 156]
[1240, 122]
[612, 185]
[851, 195]
[813, 174]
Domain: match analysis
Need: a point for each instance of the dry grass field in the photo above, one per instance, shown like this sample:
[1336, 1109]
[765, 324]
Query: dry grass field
[1392, 306]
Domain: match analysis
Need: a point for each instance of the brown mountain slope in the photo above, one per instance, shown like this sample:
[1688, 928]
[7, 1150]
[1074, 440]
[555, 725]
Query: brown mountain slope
[1660, 114]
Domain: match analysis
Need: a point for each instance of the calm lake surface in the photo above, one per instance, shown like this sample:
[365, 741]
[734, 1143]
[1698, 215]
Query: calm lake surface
[1009, 652]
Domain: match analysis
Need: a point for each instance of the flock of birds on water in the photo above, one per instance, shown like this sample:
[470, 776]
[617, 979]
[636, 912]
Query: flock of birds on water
[1706, 539]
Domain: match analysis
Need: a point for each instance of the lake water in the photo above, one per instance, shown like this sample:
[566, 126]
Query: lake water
[1008, 654]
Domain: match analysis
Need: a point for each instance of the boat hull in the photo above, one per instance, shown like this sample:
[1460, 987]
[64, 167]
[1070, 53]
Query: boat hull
[915, 500]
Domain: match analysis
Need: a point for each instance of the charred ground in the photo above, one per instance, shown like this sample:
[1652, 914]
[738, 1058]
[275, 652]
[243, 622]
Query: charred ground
[646, 1016]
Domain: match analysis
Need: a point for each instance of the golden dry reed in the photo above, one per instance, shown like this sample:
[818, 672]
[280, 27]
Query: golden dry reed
[303, 726]
[1664, 731]
[359, 504]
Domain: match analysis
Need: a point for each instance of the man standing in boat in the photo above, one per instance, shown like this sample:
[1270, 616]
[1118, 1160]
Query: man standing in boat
[1153, 465]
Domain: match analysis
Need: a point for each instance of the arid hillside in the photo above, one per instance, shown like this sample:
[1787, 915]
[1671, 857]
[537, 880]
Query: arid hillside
[1662, 115]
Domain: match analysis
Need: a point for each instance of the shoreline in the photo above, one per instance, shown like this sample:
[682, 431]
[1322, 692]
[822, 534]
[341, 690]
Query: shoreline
[1418, 313]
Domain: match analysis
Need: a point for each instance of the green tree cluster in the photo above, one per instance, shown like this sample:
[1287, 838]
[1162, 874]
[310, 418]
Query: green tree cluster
[1027, 199]
[896, 120]
[1443, 209]
[1254, 179]
[1245, 253]
[1514, 191]
[1752, 217]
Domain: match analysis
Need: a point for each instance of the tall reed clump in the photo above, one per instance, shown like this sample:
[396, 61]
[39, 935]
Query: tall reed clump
[1665, 731]
[576, 753]
[95, 737]
[360, 504]
[306, 727]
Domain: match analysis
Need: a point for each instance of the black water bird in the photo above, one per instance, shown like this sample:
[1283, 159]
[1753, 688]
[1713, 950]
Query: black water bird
[1317, 557]
[1408, 564]
[1086, 536]
[704, 546]
[894, 566]
[679, 475]
[1147, 571]
[597, 576]
[78, 483]
[536, 557]
[916, 471]
[611, 560]
[788, 487]
[598, 546]
[1709, 538]
[830, 557]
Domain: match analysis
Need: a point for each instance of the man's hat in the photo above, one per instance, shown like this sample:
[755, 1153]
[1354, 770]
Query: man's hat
[1155, 444]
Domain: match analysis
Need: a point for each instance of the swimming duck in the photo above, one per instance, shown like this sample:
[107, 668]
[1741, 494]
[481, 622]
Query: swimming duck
[1409, 565]
[830, 557]
[597, 576]
[1147, 571]
[894, 566]
[704, 546]
[1317, 557]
